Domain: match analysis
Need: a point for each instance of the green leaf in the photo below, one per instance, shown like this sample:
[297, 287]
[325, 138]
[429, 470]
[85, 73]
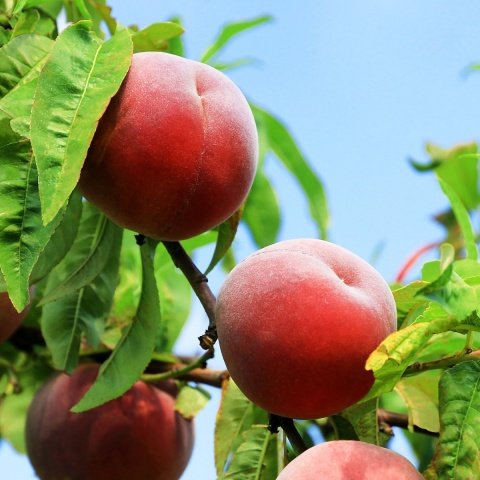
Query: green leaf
[51, 7]
[226, 234]
[14, 407]
[82, 8]
[175, 300]
[256, 456]
[22, 233]
[420, 394]
[284, 147]
[88, 255]
[459, 168]
[459, 443]
[155, 37]
[134, 350]
[363, 418]
[262, 212]
[235, 416]
[463, 219]
[74, 88]
[26, 23]
[175, 45]
[61, 241]
[230, 31]
[21, 60]
[191, 401]
[240, 62]
[20, 5]
[64, 321]
[391, 358]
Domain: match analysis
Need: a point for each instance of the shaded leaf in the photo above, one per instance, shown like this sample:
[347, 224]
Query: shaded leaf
[456, 456]
[74, 88]
[226, 234]
[22, 233]
[175, 44]
[134, 350]
[88, 256]
[230, 31]
[14, 407]
[262, 212]
[236, 415]
[65, 320]
[256, 456]
[61, 240]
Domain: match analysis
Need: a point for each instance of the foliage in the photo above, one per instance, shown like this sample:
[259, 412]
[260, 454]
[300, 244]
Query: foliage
[91, 304]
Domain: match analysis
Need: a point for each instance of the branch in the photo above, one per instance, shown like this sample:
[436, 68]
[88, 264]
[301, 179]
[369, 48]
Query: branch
[198, 281]
[414, 257]
[441, 363]
[387, 419]
[176, 371]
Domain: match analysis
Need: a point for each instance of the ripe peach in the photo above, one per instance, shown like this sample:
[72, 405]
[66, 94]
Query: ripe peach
[138, 435]
[296, 322]
[176, 150]
[349, 460]
[10, 319]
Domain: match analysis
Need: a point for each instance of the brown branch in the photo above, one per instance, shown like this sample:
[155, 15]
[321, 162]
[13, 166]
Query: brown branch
[387, 419]
[198, 281]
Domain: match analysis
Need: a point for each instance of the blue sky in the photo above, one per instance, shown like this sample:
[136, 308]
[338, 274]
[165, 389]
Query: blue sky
[362, 86]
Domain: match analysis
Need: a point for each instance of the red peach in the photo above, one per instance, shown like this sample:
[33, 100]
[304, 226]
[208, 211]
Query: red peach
[349, 460]
[136, 436]
[10, 319]
[176, 150]
[296, 323]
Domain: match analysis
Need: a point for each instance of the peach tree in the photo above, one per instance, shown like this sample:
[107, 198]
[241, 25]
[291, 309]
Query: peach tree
[99, 293]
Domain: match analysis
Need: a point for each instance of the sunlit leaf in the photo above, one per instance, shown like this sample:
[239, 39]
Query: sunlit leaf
[284, 147]
[230, 31]
[155, 37]
[74, 88]
[463, 219]
[191, 401]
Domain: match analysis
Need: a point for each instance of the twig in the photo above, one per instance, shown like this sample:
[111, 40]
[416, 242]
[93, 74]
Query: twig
[392, 419]
[178, 372]
[414, 257]
[198, 282]
[441, 363]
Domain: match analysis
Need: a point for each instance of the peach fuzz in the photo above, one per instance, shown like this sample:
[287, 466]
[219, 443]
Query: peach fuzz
[296, 323]
[10, 319]
[349, 460]
[175, 152]
[137, 436]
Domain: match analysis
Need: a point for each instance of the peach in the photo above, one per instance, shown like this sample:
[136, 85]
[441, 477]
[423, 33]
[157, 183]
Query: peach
[349, 460]
[10, 319]
[137, 436]
[296, 323]
[176, 150]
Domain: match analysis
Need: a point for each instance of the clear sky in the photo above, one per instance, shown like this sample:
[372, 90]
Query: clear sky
[362, 86]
